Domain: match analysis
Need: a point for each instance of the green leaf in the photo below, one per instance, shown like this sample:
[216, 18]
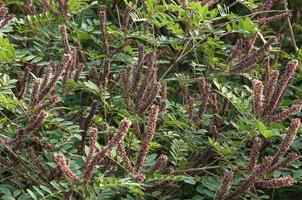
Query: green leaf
[17, 193]
[198, 197]
[7, 197]
[7, 50]
[5, 190]
[190, 180]
[31, 194]
[266, 133]
[75, 6]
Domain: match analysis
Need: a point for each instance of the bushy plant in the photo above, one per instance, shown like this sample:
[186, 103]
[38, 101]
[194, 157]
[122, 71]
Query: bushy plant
[149, 100]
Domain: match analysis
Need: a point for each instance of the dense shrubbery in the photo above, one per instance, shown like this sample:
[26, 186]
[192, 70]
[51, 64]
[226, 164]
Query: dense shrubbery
[150, 100]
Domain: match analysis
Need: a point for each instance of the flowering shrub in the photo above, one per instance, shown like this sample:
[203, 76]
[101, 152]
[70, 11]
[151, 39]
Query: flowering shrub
[149, 100]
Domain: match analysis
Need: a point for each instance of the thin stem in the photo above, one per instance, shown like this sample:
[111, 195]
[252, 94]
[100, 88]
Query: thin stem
[196, 169]
[291, 28]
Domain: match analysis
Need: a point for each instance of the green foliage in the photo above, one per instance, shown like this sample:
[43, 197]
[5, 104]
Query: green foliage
[189, 40]
[7, 50]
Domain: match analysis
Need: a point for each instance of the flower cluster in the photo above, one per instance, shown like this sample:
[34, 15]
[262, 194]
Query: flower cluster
[99, 156]
[258, 171]
[267, 99]
[5, 17]
[250, 61]
[33, 125]
[142, 89]
[148, 137]
[87, 122]
[61, 162]
[207, 97]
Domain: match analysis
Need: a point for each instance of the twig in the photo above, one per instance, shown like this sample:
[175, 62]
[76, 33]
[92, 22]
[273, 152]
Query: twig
[196, 169]
[291, 28]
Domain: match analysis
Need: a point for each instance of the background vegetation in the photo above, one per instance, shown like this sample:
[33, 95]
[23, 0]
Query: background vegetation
[154, 99]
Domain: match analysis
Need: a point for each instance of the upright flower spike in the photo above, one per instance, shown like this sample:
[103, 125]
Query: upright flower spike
[249, 43]
[64, 37]
[149, 98]
[160, 163]
[47, 76]
[140, 86]
[24, 82]
[249, 62]
[122, 152]
[296, 107]
[242, 49]
[148, 138]
[47, 5]
[126, 15]
[31, 7]
[33, 125]
[257, 97]
[275, 183]
[126, 85]
[137, 72]
[205, 100]
[92, 112]
[63, 7]
[103, 20]
[70, 67]
[92, 143]
[213, 103]
[288, 139]
[236, 52]
[36, 122]
[4, 16]
[286, 161]
[3, 9]
[36, 91]
[163, 100]
[51, 84]
[214, 132]
[61, 162]
[266, 64]
[87, 122]
[54, 99]
[225, 106]
[37, 161]
[225, 185]
[142, 91]
[254, 153]
[267, 5]
[139, 177]
[93, 139]
[106, 72]
[100, 155]
[265, 20]
[250, 181]
[270, 86]
[266, 101]
[78, 72]
[190, 108]
[137, 130]
[68, 195]
[95, 75]
[269, 164]
[45, 145]
[208, 3]
[282, 85]
[201, 82]
[54, 173]
[164, 94]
